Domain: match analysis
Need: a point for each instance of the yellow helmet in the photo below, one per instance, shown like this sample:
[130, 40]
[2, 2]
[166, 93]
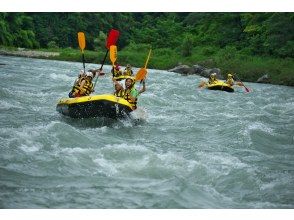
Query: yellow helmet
[230, 75]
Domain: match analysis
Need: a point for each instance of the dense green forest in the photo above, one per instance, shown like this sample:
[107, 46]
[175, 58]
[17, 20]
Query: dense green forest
[250, 43]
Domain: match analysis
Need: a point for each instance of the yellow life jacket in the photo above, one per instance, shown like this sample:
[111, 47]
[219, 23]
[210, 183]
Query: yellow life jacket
[128, 72]
[76, 87]
[119, 93]
[212, 81]
[230, 81]
[87, 88]
[116, 73]
[127, 96]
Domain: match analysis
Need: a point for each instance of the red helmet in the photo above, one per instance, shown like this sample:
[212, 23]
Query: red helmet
[117, 67]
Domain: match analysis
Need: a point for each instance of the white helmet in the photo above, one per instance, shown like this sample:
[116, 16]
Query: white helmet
[81, 73]
[89, 74]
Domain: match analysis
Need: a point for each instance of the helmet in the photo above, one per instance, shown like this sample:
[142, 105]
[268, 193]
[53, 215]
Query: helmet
[131, 78]
[117, 67]
[89, 74]
[213, 75]
[81, 73]
[230, 75]
[128, 66]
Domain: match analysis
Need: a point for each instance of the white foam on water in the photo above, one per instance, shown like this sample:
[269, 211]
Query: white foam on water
[260, 126]
[74, 150]
[5, 105]
[220, 163]
[105, 167]
[31, 149]
[62, 77]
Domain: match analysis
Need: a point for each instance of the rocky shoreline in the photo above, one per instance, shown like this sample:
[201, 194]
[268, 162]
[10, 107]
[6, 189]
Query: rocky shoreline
[205, 72]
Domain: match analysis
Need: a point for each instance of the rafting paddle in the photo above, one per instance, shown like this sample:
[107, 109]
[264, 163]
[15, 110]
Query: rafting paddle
[141, 74]
[111, 40]
[82, 45]
[113, 54]
[246, 89]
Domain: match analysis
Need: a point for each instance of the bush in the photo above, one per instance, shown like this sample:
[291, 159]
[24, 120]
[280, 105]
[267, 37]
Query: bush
[52, 45]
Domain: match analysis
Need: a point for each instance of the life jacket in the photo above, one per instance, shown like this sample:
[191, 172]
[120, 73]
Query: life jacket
[127, 96]
[230, 81]
[119, 93]
[115, 73]
[212, 80]
[87, 88]
[128, 72]
[76, 88]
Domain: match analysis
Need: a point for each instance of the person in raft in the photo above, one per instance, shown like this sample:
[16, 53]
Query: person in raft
[85, 88]
[77, 83]
[130, 92]
[116, 71]
[118, 89]
[128, 70]
[230, 80]
[211, 80]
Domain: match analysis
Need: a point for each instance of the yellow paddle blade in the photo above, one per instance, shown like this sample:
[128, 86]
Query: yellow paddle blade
[141, 74]
[147, 58]
[82, 40]
[113, 53]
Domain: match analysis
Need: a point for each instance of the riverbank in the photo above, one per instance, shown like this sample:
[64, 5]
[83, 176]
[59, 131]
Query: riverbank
[249, 68]
[22, 52]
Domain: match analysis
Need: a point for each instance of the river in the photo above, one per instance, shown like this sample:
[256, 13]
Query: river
[194, 148]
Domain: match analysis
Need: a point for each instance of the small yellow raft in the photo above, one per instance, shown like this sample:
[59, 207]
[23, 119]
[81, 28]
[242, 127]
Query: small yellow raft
[220, 85]
[105, 105]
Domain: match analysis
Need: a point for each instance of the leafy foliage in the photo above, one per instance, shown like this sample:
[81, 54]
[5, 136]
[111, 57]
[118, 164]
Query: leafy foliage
[231, 41]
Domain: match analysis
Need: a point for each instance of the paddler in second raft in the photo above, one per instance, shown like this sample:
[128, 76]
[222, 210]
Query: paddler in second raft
[211, 80]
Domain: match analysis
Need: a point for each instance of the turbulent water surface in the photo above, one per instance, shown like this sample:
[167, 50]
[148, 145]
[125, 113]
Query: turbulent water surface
[191, 149]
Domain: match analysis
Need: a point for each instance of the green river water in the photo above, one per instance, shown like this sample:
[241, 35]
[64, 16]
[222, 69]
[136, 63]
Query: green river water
[191, 148]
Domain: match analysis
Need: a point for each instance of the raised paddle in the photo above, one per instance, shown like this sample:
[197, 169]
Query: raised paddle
[111, 40]
[82, 45]
[113, 54]
[141, 74]
[246, 89]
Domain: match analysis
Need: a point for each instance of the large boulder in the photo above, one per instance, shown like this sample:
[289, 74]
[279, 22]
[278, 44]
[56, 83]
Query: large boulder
[182, 69]
[264, 79]
[198, 69]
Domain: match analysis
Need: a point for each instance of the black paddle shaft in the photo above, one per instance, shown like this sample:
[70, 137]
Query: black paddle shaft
[101, 67]
[83, 57]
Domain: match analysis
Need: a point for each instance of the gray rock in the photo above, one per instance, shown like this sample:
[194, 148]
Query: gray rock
[198, 69]
[182, 69]
[264, 79]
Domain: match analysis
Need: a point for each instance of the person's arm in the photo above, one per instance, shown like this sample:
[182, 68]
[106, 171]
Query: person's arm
[143, 88]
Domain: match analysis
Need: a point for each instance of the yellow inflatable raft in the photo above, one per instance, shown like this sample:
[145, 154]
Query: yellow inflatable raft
[220, 85]
[105, 105]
